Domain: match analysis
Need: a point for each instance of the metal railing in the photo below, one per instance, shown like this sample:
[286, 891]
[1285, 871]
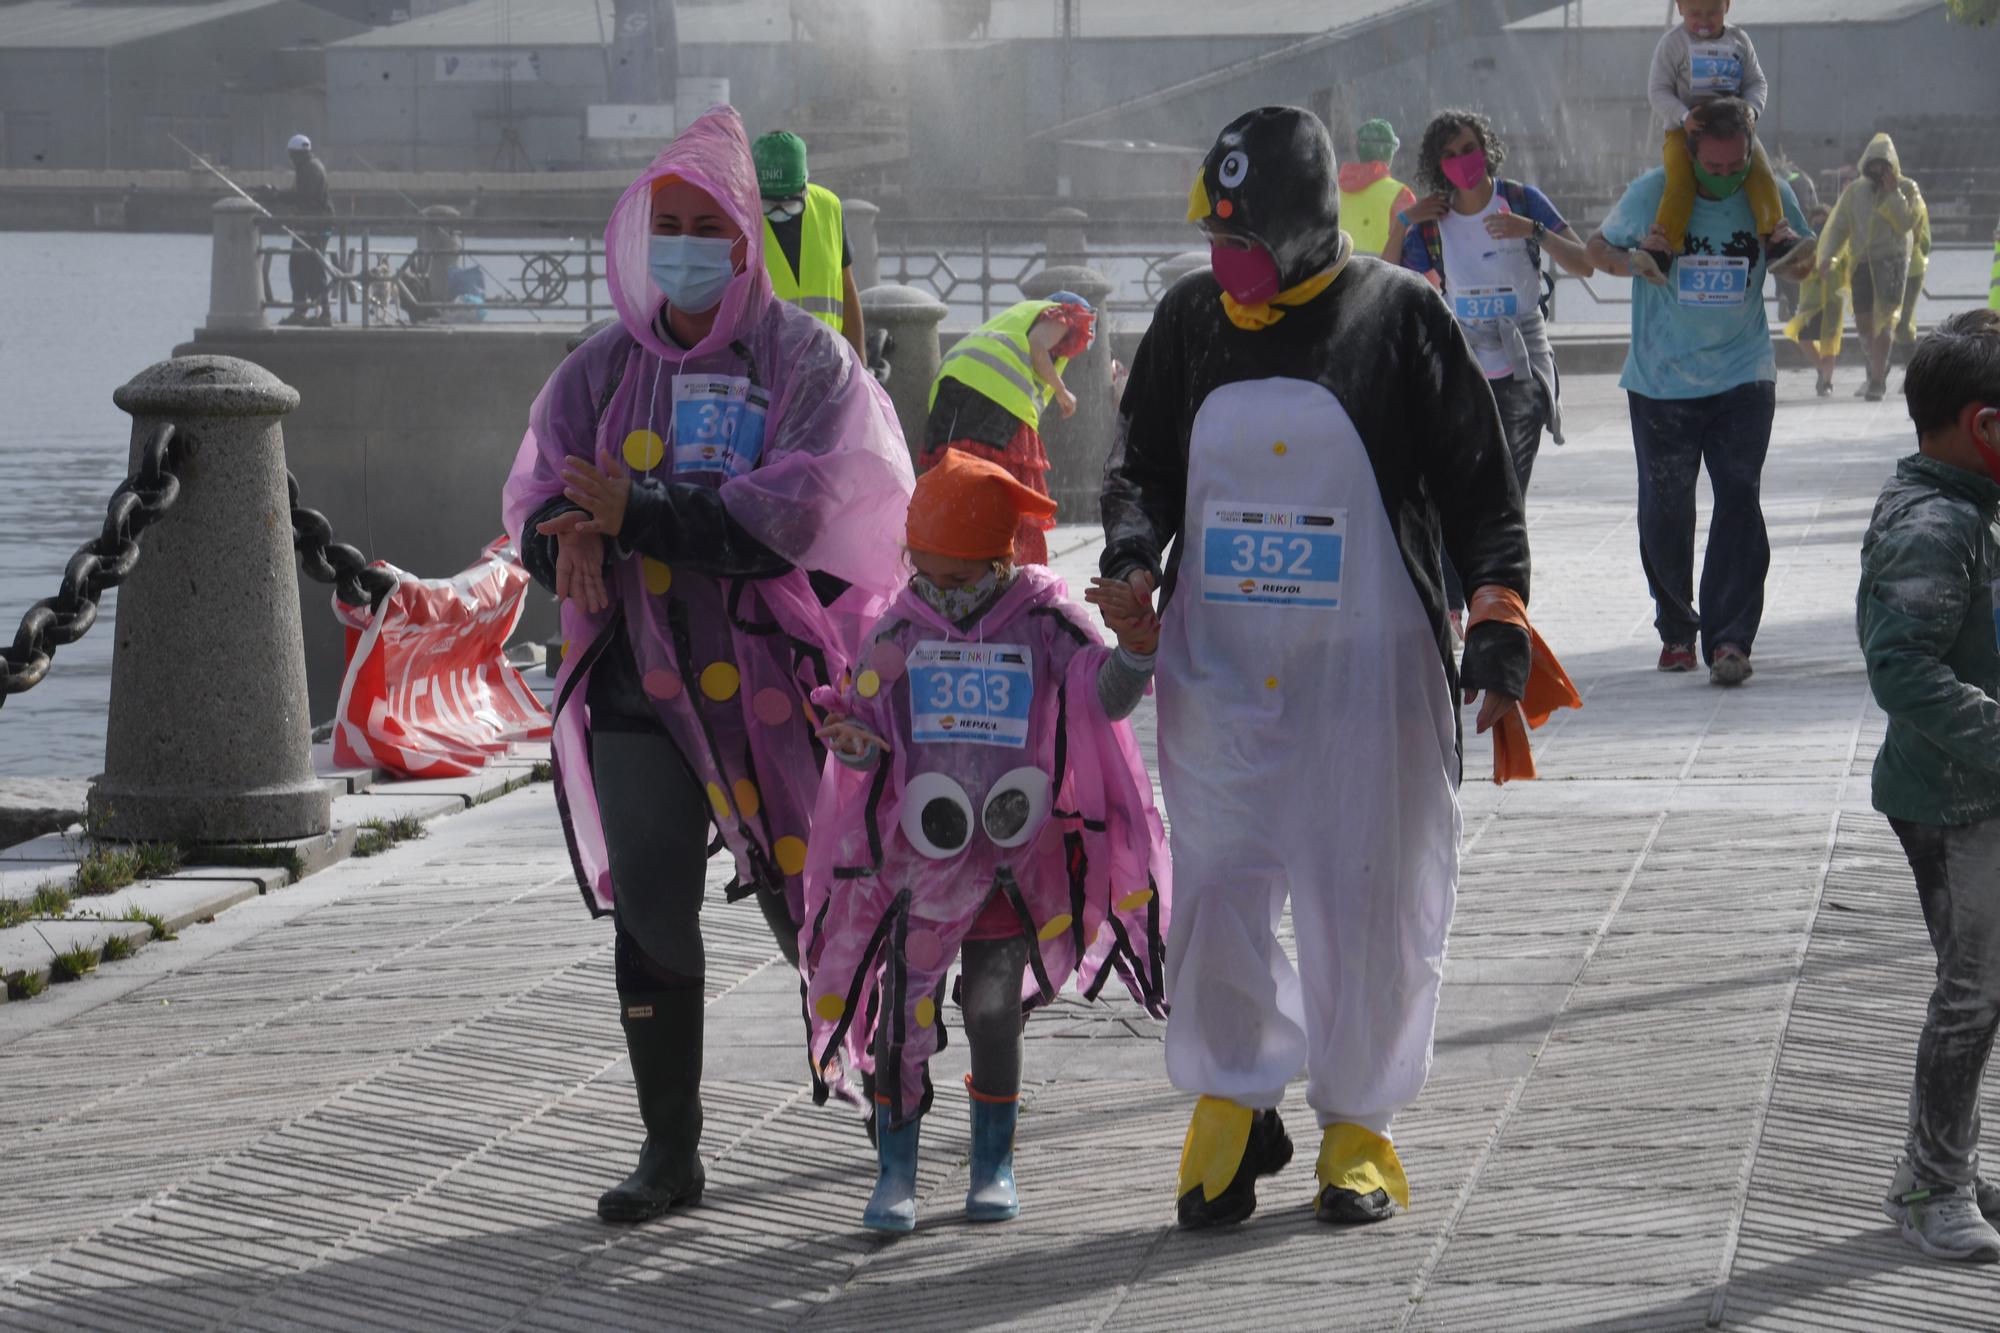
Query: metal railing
[415, 270]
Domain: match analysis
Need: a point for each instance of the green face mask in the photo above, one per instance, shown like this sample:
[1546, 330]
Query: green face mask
[1719, 186]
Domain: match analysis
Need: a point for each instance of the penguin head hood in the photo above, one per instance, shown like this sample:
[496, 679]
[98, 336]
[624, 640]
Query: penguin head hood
[1270, 178]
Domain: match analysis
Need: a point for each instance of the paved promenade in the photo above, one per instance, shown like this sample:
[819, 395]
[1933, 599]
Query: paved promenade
[1683, 992]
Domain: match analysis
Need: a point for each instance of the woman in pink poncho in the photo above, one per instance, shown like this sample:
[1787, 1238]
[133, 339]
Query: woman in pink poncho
[989, 804]
[712, 486]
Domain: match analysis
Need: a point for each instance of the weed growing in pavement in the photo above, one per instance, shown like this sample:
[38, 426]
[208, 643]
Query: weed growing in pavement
[70, 964]
[152, 919]
[108, 867]
[25, 985]
[379, 835]
[117, 948]
[49, 900]
[543, 771]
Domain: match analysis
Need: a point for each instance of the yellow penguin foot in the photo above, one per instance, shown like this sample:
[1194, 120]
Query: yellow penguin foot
[1228, 1146]
[1360, 1177]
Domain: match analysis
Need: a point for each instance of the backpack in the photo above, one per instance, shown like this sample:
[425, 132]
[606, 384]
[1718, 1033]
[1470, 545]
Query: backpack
[1516, 195]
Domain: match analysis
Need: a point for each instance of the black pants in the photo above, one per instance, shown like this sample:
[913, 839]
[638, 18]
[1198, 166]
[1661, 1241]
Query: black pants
[308, 271]
[655, 817]
[1524, 414]
[1729, 433]
[1957, 869]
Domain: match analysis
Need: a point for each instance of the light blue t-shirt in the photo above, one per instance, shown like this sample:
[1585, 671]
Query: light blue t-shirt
[1705, 331]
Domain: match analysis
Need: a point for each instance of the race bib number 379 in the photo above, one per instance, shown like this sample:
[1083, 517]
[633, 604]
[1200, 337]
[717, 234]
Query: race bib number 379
[1712, 280]
[977, 692]
[1273, 556]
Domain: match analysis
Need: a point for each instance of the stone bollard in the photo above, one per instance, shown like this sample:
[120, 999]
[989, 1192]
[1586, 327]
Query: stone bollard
[911, 316]
[209, 738]
[1077, 447]
[857, 219]
[1065, 243]
[235, 283]
[1188, 261]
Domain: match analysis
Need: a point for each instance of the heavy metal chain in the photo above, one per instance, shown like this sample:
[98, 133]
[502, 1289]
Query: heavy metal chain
[106, 560]
[327, 561]
[99, 564]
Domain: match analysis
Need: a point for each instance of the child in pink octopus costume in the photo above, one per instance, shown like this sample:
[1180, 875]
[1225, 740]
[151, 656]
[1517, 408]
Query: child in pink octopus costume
[989, 803]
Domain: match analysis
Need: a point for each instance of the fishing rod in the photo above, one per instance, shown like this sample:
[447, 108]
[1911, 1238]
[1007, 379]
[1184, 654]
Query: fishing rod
[520, 301]
[250, 199]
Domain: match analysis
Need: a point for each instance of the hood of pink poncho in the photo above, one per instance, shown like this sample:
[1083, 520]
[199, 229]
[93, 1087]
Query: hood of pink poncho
[713, 153]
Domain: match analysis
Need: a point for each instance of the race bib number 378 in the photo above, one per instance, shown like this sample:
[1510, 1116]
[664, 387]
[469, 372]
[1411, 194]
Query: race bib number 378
[1272, 555]
[981, 693]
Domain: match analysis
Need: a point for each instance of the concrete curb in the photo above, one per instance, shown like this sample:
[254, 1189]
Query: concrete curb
[220, 877]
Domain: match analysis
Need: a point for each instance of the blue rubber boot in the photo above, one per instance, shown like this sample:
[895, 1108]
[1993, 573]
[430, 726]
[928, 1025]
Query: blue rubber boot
[893, 1205]
[991, 1197]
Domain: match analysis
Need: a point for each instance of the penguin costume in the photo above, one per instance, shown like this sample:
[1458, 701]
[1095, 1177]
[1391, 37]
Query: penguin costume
[1302, 428]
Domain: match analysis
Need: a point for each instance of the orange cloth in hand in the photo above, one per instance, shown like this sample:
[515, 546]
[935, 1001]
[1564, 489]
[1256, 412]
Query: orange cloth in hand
[1548, 687]
[968, 509]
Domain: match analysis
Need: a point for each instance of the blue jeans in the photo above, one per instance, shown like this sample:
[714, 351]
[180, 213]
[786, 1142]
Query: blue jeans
[1730, 433]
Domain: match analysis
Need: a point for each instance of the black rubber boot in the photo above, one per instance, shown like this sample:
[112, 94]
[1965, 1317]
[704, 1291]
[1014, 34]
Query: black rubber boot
[663, 1035]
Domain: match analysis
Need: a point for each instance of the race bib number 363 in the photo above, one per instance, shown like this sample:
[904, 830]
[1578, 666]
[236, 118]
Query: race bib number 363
[718, 424]
[1272, 555]
[977, 692]
[1712, 279]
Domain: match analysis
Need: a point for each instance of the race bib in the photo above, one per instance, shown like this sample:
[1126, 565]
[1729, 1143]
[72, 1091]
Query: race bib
[1712, 280]
[1715, 69]
[1485, 305]
[976, 692]
[1272, 556]
[718, 424]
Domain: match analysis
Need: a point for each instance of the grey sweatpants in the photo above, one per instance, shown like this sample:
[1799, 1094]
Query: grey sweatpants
[1957, 869]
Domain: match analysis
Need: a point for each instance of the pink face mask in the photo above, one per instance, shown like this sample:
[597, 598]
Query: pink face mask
[1467, 171]
[1250, 276]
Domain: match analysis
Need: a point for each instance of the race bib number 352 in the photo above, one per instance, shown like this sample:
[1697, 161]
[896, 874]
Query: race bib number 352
[1712, 280]
[981, 693]
[1272, 556]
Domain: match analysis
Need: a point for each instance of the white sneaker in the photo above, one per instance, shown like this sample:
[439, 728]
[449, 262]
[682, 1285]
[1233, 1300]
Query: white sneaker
[1984, 1192]
[1944, 1222]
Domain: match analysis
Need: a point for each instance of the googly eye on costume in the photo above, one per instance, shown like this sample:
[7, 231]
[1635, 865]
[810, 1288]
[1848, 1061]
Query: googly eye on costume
[1016, 807]
[937, 816]
[1234, 168]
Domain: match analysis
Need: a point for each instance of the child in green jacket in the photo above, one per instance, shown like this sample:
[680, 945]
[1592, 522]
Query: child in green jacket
[1925, 612]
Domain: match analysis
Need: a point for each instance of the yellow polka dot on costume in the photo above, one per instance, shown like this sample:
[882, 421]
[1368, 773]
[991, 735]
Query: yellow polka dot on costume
[1279, 448]
[718, 799]
[830, 1007]
[747, 800]
[644, 449]
[791, 854]
[564, 650]
[869, 685]
[1270, 682]
[926, 1012]
[1134, 901]
[719, 681]
[659, 577]
[1056, 925]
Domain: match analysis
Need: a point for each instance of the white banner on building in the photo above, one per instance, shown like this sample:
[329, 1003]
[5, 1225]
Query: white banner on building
[641, 121]
[488, 66]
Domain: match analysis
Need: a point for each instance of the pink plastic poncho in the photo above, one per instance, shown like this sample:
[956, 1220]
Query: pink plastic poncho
[728, 663]
[1088, 878]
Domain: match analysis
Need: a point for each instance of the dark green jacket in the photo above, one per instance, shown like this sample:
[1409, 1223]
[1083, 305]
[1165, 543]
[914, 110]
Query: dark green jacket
[1924, 613]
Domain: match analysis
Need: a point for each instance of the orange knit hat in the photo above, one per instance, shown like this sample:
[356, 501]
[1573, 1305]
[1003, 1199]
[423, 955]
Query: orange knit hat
[968, 509]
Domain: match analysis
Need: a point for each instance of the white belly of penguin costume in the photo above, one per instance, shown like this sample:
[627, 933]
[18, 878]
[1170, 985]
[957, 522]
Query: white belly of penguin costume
[1308, 752]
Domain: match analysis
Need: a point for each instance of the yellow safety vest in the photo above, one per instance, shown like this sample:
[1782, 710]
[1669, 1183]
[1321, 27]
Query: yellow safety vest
[993, 360]
[1365, 214]
[817, 288]
[1993, 291]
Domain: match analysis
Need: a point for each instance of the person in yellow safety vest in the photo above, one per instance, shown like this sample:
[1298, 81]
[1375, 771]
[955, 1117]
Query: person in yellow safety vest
[1993, 287]
[1369, 195]
[805, 242]
[991, 389]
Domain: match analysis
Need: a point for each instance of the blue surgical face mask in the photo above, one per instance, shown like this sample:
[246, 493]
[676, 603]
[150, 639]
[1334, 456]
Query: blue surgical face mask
[691, 271]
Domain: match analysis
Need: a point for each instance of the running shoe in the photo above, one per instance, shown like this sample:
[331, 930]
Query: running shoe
[1677, 657]
[1730, 667]
[1944, 1222]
